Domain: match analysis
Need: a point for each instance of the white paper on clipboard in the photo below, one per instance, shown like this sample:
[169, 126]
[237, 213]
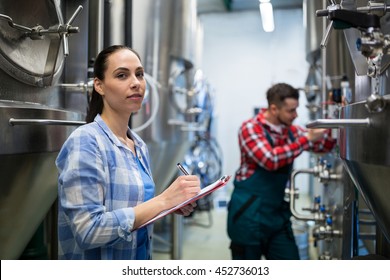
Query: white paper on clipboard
[204, 191]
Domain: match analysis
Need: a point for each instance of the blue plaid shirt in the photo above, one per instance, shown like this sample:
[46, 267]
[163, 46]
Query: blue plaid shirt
[99, 184]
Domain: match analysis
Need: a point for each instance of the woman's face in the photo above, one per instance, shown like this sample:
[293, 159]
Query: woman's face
[123, 87]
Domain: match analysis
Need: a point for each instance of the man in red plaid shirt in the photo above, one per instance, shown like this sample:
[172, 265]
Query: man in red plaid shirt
[258, 216]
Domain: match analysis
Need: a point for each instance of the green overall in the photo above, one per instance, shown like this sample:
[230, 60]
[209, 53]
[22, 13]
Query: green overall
[259, 217]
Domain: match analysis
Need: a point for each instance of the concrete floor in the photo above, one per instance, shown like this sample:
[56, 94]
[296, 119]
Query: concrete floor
[205, 238]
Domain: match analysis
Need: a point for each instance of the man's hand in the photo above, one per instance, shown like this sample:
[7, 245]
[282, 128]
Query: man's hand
[315, 134]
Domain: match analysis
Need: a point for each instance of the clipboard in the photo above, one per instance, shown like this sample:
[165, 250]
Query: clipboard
[204, 191]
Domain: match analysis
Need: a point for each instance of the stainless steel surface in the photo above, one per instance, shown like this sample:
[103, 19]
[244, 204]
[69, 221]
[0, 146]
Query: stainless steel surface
[367, 159]
[13, 121]
[338, 123]
[293, 197]
[313, 30]
[184, 28]
[36, 116]
[29, 138]
[167, 53]
[363, 136]
[114, 17]
[95, 27]
[359, 61]
[29, 176]
[331, 63]
[177, 237]
[21, 57]
[28, 189]
[42, 42]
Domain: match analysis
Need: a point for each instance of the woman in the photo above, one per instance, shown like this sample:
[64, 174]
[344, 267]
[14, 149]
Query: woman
[105, 185]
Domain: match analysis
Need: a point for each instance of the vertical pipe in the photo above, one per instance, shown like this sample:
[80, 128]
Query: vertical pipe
[177, 237]
[323, 55]
[128, 23]
[106, 24]
[156, 39]
[96, 27]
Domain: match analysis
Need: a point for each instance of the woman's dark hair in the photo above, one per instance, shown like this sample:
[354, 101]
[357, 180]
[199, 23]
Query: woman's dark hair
[96, 103]
[279, 92]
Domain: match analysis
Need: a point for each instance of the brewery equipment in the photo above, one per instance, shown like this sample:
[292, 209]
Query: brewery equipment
[170, 57]
[38, 40]
[363, 132]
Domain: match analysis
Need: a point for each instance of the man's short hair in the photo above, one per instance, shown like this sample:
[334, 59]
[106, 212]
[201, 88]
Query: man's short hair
[279, 92]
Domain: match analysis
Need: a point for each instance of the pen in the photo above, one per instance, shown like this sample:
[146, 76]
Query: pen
[181, 168]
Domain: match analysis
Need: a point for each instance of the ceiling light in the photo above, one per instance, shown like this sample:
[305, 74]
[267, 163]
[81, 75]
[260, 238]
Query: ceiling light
[267, 15]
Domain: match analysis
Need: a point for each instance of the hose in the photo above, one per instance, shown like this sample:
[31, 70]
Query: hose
[155, 101]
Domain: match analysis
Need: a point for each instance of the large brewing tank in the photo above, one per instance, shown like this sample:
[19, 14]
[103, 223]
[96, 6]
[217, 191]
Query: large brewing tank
[166, 35]
[327, 66]
[365, 149]
[36, 113]
[363, 128]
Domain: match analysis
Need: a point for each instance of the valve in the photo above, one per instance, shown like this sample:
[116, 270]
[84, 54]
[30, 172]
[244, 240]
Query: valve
[328, 31]
[38, 32]
[58, 34]
[375, 103]
[372, 41]
[328, 220]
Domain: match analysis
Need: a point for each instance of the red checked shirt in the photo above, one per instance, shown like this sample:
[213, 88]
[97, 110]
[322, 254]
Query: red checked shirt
[257, 151]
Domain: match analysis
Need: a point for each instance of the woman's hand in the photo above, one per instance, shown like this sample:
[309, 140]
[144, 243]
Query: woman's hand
[183, 188]
[186, 210]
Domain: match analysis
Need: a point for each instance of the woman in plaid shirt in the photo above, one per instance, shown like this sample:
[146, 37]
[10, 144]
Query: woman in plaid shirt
[105, 185]
[258, 217]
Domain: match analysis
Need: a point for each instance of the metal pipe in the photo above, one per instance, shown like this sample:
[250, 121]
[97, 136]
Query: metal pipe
[324, 107]
[292, 197]
[177, 237]
[14, 25]
[326, 36]
[338, 123]
[96, 28]
[324, 232]
[13, 122]
[75, 14]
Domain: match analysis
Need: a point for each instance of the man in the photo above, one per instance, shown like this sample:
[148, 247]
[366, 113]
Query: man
[258, 217]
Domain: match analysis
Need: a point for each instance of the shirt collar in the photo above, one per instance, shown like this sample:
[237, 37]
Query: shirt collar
[137, 140]
[260, 117]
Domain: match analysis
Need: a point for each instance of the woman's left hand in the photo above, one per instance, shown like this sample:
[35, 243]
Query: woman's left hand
[186, 210]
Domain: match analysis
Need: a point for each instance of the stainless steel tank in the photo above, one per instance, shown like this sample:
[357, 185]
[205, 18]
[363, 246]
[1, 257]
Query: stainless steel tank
[327, 66]
[362, 123]
[171, 44]
[36, 113]
[168, 37]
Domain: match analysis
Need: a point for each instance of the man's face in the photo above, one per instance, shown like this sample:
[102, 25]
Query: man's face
[287, 113]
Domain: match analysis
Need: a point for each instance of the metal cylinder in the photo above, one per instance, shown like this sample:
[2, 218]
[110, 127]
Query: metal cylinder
[30, 71]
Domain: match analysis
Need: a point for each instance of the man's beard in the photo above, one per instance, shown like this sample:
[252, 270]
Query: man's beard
[282, 122]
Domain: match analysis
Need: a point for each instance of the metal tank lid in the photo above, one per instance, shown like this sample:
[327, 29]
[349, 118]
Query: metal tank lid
[31, 48]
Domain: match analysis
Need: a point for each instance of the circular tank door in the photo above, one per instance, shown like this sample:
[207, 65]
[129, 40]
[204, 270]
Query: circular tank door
[30, 56]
